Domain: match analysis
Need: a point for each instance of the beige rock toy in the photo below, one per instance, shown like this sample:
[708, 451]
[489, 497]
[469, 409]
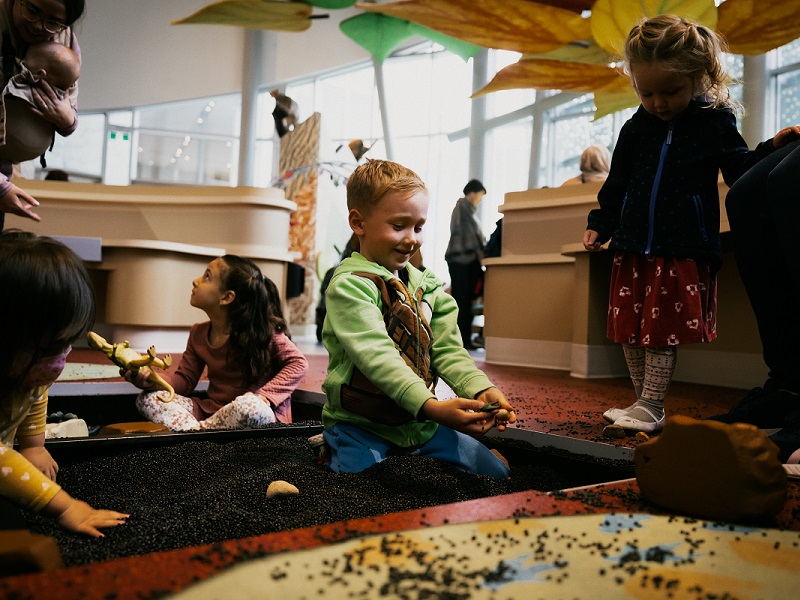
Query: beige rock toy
[127, 358]
[712, 470]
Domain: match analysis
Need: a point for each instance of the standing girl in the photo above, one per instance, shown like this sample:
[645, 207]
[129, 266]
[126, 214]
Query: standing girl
[660, 206]
[253, 367]
[47, 303]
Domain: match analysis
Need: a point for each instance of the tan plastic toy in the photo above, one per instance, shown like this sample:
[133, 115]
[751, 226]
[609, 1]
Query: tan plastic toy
[127, 358]
[712, 470]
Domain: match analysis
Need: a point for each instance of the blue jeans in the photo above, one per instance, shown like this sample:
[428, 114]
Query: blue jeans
[354, 449]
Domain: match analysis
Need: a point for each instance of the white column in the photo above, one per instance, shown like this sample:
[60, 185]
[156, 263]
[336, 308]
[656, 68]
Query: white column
[251, 78]
[477, 129]
[383, 106]
[754, 97]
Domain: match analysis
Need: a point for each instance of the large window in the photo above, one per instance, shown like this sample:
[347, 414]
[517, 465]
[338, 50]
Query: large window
[428, 102]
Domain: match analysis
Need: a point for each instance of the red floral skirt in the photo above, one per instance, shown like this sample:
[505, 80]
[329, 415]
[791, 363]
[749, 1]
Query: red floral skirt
[661, 301]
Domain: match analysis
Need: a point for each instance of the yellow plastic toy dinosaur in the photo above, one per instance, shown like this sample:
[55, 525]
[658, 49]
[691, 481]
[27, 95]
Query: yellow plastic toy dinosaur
[127, 358]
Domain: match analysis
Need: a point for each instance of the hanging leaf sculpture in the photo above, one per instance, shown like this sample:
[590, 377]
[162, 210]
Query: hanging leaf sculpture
[555, 75]
[613, 19]
[377, 34]
[516, 25]
[253, 14]
[758, 26]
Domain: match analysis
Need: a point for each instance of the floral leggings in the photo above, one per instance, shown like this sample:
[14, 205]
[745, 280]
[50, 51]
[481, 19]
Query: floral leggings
[248, 410]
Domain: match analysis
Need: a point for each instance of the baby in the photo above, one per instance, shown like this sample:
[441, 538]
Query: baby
[27, 134]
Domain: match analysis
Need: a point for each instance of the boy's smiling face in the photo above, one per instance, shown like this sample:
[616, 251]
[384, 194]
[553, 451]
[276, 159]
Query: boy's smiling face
[391, 232]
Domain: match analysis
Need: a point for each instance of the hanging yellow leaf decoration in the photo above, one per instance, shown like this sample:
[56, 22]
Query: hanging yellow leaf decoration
[613, 19]
[609, 102]
[758, 26]
[556, 75]
[517, 25]
[587, 51]
[253, 14]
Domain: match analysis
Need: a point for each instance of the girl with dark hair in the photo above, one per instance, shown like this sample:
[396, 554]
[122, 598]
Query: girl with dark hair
[253, 366]
[47, 303]
[24, 23]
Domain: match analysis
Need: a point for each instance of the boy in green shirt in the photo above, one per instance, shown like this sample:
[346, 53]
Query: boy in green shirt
[390, 332]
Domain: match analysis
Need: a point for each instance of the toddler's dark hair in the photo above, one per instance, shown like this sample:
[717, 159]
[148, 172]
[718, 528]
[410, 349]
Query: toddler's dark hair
[255, 316]
[47, 300]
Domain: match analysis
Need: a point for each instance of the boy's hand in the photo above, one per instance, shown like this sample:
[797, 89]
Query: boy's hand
[77, 516]
[786, 136]
[40, 458]
[590, 241]
[461, 414]
[495, 396]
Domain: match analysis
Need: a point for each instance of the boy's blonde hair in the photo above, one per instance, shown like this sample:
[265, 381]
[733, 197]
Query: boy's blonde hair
[683, 47]
[370, 182]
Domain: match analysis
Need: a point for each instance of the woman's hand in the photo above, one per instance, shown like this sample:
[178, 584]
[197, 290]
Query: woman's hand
[18, 202]
[53, 105]
[786, 136]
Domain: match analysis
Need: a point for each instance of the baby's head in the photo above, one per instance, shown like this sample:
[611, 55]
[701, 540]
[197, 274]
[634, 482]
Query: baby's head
[388, 206]
[683, 48]
[55, 63]
[51, 306]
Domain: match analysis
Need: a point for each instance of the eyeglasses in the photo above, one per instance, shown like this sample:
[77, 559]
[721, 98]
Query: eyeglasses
[33, 13]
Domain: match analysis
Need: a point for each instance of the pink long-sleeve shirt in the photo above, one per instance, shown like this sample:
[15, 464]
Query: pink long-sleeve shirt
[225, 381]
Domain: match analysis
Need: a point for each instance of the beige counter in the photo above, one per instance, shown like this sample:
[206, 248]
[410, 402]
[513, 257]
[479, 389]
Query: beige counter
[155, 240]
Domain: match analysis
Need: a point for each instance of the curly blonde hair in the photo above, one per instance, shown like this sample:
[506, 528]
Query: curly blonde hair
[685, 48]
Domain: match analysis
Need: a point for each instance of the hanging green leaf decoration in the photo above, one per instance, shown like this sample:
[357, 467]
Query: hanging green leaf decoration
[377, 34]
[460, 48]
[331, 3]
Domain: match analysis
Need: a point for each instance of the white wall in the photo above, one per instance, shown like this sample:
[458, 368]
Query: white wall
[133, 56]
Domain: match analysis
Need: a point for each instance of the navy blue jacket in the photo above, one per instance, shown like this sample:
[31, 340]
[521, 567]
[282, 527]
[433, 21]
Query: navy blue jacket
[661, 196]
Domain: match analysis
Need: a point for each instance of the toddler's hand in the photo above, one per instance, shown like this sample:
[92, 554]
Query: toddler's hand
[40, 458]
[77, 516]
[495, 396]
[460, 414]
[590, 241]
[138, 377]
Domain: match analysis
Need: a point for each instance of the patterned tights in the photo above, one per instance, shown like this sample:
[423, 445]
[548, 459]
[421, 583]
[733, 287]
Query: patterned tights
[248, 410]
[651, 371]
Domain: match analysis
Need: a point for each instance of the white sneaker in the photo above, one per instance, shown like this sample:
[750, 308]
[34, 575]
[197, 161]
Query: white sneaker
[629, 423]
[612, 414]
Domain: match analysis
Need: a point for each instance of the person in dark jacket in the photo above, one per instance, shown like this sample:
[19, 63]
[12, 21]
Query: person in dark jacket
[660, 206]
[464, 254]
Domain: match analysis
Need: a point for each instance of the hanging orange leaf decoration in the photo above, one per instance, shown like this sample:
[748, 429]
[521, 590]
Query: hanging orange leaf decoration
[758, 26]
[556, 75]
[518, 25]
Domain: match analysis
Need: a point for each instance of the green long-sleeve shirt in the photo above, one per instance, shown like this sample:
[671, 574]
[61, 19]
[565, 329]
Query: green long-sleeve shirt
[355, 335]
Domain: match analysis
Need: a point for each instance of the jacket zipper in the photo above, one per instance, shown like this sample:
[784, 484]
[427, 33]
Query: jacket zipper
[654, 190]
[701, 220]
